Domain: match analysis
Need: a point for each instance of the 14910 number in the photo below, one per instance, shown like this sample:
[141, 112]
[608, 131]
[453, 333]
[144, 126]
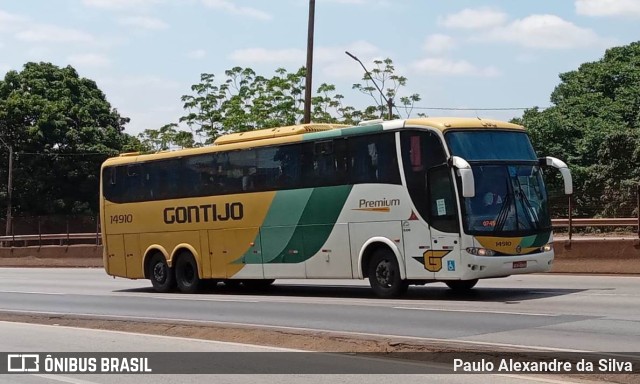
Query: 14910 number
[122, 219]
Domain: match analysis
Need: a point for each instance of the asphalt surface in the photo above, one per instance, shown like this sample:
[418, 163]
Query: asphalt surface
[588, 313]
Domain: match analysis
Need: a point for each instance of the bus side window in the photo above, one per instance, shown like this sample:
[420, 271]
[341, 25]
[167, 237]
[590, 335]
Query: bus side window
[340, 160]
[443, 213]
[373, 159]
[387, 160]
[361, 170]
[288, 160]
[135, 186]
[324, 162]
[421, 151]
[109, 184]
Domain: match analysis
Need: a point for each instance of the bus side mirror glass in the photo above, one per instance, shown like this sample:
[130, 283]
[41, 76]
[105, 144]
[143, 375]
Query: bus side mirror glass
[564, 171]
[465, 172]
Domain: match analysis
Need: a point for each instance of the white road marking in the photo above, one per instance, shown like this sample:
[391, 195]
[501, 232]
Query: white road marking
[537, 379]
[476, 311]
[230, 343]
[285, 328]
[64, 379]
[182, 298]
[34, 293]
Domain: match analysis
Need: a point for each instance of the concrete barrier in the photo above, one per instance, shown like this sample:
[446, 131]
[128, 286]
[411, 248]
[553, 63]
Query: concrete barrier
[580, 255]
[597, 255]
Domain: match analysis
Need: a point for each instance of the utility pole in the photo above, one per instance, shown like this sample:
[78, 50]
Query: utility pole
[307, 87]
[9, 187]
[9, 191]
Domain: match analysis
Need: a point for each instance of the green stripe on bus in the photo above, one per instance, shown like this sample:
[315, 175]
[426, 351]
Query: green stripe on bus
[279, 224]
[535, 240]
[315, 226]
[343, 132]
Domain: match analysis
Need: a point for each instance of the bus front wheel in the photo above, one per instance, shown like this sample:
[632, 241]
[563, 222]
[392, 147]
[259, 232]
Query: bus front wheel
[461, 286]
[160, 274]
[187, 277]
[384, 275]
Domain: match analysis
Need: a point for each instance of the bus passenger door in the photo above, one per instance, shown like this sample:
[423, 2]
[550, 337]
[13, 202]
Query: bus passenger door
[133, 258]
[417, 248]
[444, 258]
[116, 256]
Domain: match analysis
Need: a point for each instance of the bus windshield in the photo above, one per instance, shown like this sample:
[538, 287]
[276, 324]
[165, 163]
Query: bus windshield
[510, 199]
[510, 195]
[490, 145]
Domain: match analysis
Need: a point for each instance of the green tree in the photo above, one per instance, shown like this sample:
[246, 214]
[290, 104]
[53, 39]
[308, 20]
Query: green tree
[165, 138]
[61, 128]
[594, 125]
[244, 101]
[384, 75]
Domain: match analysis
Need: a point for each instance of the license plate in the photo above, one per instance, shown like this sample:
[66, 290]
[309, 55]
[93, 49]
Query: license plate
[519, 264]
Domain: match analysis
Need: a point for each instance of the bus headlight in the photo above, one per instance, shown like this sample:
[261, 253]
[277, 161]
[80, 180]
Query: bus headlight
[547, 247]
[480, 251]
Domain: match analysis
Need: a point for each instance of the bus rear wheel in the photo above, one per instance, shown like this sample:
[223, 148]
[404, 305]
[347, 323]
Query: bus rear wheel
[187, 277]
[161, 276]
[384, 275]
[461, 286]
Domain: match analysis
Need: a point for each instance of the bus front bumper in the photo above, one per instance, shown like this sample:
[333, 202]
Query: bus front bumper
[480, 267]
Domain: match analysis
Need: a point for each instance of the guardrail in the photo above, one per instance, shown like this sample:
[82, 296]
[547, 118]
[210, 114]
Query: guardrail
[48, 238]
[610, 222]
[95, 238]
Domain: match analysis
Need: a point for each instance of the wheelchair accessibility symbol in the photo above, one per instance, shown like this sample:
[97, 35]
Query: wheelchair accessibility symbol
[451, 265]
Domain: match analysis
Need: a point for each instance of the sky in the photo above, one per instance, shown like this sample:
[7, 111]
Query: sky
[472, 55]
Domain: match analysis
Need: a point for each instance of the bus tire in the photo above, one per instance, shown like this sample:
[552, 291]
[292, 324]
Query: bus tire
[161, 276]
[256, 284]
[187, 277]
[461, 286]
[384, 275]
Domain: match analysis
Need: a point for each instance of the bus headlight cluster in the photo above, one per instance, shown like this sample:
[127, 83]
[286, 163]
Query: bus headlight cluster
[480, 251]
[547, 247]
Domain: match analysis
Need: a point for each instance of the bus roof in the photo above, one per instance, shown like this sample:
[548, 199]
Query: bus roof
[445, 123]
[269, 133]
[297, 133]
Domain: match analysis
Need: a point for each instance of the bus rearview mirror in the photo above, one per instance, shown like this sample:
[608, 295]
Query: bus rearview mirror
[466, 175]
[564, 171]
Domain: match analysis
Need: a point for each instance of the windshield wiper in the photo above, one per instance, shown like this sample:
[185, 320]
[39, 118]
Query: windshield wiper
[501, 219]
[532, 215]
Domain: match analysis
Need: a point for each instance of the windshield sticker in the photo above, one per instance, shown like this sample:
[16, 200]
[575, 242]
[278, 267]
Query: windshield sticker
[442, 209]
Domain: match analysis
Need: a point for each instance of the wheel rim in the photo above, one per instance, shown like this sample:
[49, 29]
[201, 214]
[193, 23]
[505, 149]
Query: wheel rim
[159, 273]
[384, 273]
[188, 274]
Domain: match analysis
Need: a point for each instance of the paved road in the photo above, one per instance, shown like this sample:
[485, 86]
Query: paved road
[593, 313]
[42, 338]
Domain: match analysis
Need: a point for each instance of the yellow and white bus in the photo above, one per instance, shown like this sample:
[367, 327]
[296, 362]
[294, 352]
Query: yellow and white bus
[398, 202]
